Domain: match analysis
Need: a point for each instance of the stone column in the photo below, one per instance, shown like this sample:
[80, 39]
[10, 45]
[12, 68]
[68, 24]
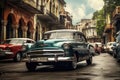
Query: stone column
[24, 28]
[15, 31]
[3, 35]
[31, 33]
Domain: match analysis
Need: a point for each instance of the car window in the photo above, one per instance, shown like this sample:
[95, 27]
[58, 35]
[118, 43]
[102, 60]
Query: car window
[59, 35]
[118, 38]
[13, 41]
[28, 41]
[79, 37]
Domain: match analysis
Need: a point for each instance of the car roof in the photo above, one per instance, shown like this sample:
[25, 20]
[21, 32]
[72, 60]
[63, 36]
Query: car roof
[110, 42]
[20, 38]
[64, 30]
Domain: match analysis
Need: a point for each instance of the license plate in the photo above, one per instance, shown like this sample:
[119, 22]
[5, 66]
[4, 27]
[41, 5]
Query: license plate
[42, 59]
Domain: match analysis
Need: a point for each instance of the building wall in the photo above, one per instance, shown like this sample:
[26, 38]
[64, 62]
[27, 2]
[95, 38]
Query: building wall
[88, 27]
[17, 22]
[19, 18]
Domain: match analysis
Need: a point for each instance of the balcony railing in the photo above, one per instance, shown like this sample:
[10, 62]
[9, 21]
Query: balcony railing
[116, 11]
[30, 2]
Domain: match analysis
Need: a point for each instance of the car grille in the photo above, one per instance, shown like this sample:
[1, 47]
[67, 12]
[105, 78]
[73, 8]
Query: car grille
[45, 53]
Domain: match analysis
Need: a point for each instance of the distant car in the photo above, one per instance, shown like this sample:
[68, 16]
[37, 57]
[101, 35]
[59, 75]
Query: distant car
[60, 48]
[109, 47]
[99, 48]
[14, 48]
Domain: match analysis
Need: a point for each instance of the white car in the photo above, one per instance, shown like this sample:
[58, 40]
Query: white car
[109, 47]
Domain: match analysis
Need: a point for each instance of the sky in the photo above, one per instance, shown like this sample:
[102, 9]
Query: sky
[82, 9]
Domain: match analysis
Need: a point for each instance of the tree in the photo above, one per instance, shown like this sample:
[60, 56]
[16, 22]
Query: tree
[100, 16]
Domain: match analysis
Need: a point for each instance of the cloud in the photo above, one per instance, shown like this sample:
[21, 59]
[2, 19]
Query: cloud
[96, 4]
[83, 9]
[77, 12]
[89, 16]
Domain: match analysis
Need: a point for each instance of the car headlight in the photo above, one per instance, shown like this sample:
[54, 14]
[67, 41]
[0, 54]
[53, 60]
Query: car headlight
[66, 46]
[23, 48]
[7, 49]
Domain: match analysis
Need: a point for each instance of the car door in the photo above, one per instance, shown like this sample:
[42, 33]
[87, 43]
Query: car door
[92, 51]
[81, 45]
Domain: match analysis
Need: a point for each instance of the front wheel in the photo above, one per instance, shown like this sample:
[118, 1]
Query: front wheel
[89, 61]
[18, 57]
[31, 66]
[73, 64]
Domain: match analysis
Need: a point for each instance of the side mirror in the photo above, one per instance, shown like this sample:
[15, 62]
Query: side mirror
[114, 44]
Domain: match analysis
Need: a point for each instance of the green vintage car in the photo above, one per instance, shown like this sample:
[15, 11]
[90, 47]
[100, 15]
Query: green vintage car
[61, 48]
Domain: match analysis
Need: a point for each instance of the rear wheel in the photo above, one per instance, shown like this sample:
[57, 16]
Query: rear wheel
[89, 61]
[114, 55]
[31, 66]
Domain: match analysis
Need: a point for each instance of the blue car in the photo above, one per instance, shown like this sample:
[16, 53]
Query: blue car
[61, 48]
[116, 48]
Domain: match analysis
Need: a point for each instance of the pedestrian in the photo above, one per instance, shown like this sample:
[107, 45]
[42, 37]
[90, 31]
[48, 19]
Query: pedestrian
[97, 50]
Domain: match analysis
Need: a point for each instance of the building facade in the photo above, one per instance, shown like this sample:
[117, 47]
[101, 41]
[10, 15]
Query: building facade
[17, 18]
[90, 31]
[29, 18]
[116, 21]
[88, 27]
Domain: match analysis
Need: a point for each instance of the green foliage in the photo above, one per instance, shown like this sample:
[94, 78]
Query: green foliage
[100, 21]
[100, 16]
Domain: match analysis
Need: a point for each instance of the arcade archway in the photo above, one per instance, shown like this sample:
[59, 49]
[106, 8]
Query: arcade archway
[9, 26]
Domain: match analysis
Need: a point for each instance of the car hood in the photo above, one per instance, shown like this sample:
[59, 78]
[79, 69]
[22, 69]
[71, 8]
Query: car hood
[3, 46]
[50, 44]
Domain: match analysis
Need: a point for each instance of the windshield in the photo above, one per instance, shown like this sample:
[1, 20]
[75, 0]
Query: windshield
[118, 38]
[59, 35]
[13, 41]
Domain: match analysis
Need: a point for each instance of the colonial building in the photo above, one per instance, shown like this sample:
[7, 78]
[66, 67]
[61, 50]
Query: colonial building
[17, 18]
[116, 21]
[30, 18]
[90, 31]
[108, 31]
[80, 25]
[52, 17]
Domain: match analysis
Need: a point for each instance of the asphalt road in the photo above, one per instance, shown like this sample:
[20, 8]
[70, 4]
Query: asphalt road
[104, 67]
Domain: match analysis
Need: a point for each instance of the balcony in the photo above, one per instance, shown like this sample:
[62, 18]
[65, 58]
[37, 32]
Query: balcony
[30, 2]
[48, 16]
[27, 5]
[116, 13]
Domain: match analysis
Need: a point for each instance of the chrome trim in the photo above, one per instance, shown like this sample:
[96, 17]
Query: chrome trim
[47, 50]
[9, 53]
[52, 59]
[6, 52]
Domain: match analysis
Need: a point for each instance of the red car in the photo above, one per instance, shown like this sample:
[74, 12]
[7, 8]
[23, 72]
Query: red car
[14, 48]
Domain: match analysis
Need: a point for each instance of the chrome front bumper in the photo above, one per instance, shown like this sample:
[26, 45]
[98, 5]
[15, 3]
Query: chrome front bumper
[47, 56]
[48, 59]
[5, 53]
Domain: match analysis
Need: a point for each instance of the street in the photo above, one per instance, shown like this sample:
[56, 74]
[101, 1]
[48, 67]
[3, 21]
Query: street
[104, 67]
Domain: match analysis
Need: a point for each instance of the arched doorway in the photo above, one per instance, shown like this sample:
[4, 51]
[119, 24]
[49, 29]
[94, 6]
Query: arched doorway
[29, 25]
[9, 28]
[20, 31]
[37, 35]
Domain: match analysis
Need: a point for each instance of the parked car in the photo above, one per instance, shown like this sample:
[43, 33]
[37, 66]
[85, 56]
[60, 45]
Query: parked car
[110, 47]
[60, 48]
[98, 47]
[15, 48]
[116, 48]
